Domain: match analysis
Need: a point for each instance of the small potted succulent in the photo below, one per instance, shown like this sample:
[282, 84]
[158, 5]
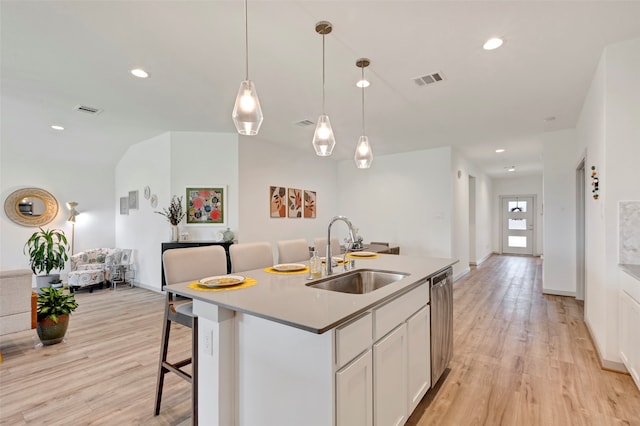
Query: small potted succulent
[54, 308]
[174, 215]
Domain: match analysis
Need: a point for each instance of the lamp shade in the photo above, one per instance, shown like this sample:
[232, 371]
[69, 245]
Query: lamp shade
[71, 205]
[364, 155]
[247, 113]
[323, 139]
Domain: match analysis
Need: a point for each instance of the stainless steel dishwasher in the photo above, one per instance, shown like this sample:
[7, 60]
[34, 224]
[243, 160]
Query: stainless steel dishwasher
[441, 323]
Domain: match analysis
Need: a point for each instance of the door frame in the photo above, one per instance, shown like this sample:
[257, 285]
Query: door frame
[533, 215]
[581, 198]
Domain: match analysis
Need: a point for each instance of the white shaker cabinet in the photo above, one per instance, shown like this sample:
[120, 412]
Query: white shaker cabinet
[390, 384]
[354, 392]
[629, 326]
[418, 356]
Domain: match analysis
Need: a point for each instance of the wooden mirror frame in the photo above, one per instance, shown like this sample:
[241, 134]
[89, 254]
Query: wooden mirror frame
[12, 209]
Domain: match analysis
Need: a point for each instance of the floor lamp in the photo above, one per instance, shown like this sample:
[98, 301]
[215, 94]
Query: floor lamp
[71, 205]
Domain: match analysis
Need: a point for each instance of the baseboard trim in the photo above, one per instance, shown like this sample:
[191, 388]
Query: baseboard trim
[147, 287]
[605, 364]
[479, 262]
[559, 292]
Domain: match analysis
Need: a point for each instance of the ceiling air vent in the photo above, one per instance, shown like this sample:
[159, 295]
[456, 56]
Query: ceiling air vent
[428, 79]
[87, 109]
[304, 123]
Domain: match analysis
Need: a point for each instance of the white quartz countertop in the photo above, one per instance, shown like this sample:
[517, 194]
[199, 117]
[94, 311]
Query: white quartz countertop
[287, 298]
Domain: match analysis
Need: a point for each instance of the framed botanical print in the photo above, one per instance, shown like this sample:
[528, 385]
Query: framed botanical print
[310, 204]
[277, 201]
[206, 205]
[294, 202]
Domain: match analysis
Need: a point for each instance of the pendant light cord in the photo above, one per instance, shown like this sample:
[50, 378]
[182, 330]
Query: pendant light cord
[323, 74]
[362, 101]
[246, 41]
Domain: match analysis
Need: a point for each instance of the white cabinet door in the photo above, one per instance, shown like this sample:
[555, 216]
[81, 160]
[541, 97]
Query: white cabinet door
[390, 371]
[629, 341]
[418, 356]
[354, 393]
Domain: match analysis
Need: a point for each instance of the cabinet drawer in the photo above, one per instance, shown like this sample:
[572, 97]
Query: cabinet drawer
[353, 338]
[388, 316]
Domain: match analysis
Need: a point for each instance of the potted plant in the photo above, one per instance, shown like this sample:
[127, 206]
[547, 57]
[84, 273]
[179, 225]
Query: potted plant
[54, 308]
[174, 215]
[47, 251]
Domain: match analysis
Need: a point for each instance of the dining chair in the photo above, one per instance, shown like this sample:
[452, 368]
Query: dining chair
[293, 250]
[320, 245]
[185, 264]
[247, 256]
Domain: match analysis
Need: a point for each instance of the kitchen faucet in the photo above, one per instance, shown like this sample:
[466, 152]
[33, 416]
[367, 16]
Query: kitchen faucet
[328, 258]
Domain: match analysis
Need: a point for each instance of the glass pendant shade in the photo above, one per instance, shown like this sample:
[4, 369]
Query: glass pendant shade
[247, 114]
[323, 139]
[364, 155]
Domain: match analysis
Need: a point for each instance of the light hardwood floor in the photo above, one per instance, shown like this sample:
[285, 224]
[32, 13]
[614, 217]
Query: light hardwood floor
[520, 358]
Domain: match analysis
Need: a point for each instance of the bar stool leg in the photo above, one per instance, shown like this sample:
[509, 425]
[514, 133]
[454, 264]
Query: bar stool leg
[194, 371]
[166, 330]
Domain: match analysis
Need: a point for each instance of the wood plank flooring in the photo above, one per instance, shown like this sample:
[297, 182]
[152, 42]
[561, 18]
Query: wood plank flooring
[520, 358]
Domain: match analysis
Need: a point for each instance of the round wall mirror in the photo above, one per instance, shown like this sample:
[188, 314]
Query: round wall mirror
[31, 207]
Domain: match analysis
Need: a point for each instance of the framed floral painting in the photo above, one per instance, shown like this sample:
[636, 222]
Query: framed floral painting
[277, 201]
[294, 202]
[310, 204]
[206, 205]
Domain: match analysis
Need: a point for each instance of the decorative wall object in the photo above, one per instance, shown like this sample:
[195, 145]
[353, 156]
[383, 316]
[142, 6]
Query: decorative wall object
[147, 192]
[124, 205]
[310, 204]
[594, 182]
[278, 201]
[294, 202]
[31, 207]
[206, 205]
[154, 201]
[133, 200]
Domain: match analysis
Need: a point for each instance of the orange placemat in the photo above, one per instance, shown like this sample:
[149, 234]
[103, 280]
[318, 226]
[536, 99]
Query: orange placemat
[363, 257]
[273, 271]
[249, 282]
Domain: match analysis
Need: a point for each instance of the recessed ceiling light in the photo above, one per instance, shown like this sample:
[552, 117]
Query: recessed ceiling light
[550, 118]
[140, 73]
[492, 43]
[363, 83]
[56, 127]
[512, 169]
[499, 150]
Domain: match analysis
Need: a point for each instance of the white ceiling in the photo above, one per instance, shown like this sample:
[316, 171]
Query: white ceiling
[58, 54]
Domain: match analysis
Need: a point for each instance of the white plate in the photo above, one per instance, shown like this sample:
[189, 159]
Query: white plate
[362, 254]
[334, 258]
[289, 267]
[221, 281]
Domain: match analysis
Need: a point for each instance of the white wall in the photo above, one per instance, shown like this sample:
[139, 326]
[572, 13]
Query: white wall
[263, 164]
[90, 184]
[168, 164]
[609, 130]
[559, 220]
[510, 186]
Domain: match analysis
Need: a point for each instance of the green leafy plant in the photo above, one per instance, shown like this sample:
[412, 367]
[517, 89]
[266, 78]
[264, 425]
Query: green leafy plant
[47, 250]
[52, 303]
[174, 213]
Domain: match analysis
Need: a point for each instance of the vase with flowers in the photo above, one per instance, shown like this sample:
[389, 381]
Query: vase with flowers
[174, 215]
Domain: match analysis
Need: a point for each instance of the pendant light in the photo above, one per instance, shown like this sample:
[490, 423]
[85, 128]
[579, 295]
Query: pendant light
[363, 155]
[323, 139]
[247, 114]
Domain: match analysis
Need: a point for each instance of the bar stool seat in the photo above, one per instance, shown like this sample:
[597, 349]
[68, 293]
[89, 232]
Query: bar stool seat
[180, 265]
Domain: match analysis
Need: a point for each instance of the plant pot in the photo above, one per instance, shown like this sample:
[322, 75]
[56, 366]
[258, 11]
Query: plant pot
[175, 233]
[51, 333]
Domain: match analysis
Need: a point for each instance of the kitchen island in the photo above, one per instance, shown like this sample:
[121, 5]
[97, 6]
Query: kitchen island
[283, 353]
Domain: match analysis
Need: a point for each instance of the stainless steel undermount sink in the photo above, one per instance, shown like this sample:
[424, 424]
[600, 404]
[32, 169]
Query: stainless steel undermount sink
[359, 282]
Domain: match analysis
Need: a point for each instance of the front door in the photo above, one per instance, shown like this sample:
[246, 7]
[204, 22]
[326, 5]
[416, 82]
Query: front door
[517, 225]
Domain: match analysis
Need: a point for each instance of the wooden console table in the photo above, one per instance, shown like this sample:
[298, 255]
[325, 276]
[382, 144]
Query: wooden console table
[184, 244]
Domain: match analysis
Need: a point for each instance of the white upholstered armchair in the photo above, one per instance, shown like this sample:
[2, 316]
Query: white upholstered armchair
[92, 267]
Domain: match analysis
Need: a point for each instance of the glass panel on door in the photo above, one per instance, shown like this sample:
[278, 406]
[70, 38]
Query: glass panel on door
[515, 241]
[518, 224]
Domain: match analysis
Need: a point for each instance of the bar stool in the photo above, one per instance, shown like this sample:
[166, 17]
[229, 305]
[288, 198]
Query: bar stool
[320, 245]
[293, 250]
[185, 264]
[247, 256]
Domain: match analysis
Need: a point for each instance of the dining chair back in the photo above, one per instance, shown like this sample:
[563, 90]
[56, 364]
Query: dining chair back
[320, 245]
[293, 250]
[185, 264]
[247, 256]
